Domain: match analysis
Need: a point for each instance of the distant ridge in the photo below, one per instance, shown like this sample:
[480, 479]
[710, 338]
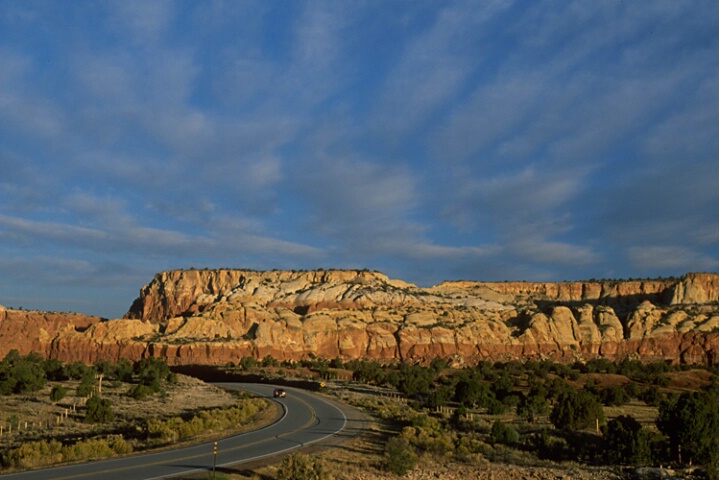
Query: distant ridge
[216, 316]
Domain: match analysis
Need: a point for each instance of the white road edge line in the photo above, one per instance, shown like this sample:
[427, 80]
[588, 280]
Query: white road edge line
[300, 445]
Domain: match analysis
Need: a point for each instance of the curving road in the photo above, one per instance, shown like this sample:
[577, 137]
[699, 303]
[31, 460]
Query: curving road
[307, 419]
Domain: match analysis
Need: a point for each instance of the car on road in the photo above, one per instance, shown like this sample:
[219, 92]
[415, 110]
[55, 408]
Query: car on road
[280, 393]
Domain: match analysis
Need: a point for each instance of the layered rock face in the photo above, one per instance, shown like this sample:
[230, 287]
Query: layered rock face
[71, 336]
[218, 316]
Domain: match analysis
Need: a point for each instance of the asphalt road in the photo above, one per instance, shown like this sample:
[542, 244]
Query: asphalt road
[307, 419]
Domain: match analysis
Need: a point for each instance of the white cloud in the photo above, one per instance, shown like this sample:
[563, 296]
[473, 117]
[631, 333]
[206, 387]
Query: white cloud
[94, 209]
[677, 259]
[539, 251]
[530, 190]
[312, 74]
[513, 140]
[429, 252]
[107, 229]
[111, 78]
[127, 237]
[491, 114]
[688, 132]
[247, 82]
[433, 68]
[141, 21]
[14, 68]
[265, 171]
[357, 199]
[27, 115]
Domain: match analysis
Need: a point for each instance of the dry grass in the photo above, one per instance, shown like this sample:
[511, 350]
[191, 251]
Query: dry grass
[690, 380]
[350, 459]
[182, 398]
[360, 457]
[643, 413]
[605, 379]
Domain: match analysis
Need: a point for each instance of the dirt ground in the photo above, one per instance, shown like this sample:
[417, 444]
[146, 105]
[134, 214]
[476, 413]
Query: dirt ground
[690, 380]
[39, 418]
[357, 455]
[361, 457]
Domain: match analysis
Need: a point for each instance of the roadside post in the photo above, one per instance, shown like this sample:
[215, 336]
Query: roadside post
[214, 459]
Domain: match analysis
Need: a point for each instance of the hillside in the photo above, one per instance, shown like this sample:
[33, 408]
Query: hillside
[218, 316]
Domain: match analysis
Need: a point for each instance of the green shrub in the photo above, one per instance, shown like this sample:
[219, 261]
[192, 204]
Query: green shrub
[21, 374]
[532, 406]
[691, 421]
[502, 386]
[54, 370]
[91, 449]
[651, 396]
[216, 420]
[613, 396]
[400, 457]
[57, 393]
[576, 410]
[43, 453]
[191, 428]
[119, 445]
[160, 430]
[550, 447]
[439, 397]
[470, 448]
[414, 380]
[7, 385]
[298, 466]
[247, 363]
[503, 433]
[77, 370]
[152, 372]
[632, 389]
[34, 454]
[495, 407]
[140, 392]
[99, 410]
[123, 370]
[428, 434]
[472, 392]
[84, 389]
[626, 442]
[104, 367]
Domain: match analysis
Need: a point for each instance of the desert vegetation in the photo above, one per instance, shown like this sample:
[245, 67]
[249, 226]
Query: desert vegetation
[54, 412]
[627, 416]
[533, 415]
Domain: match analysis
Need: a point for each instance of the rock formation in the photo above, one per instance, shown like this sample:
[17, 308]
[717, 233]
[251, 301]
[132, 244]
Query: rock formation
[220, 316]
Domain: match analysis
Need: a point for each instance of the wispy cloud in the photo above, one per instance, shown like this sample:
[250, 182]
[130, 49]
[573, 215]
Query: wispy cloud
[658, 258]
[433, 68]
[141, 21]
[364, 205]
[492, 140]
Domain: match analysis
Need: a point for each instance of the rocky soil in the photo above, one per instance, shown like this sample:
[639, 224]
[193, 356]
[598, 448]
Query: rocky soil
[496, 471]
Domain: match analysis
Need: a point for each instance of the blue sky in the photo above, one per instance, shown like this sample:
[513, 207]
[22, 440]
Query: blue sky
[484, 140]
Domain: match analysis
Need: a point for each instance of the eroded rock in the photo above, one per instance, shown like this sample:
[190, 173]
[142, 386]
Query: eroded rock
[218, 316]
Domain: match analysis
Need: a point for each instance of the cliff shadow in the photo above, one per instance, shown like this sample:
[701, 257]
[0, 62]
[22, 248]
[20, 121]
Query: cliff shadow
[210, 374]
[520, 323]
[622, 306]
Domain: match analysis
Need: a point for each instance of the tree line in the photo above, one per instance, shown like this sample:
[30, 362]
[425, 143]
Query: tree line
[23, 374]
[686, 423]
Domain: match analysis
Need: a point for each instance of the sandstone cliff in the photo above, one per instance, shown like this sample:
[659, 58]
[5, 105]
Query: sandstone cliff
[218, 316]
